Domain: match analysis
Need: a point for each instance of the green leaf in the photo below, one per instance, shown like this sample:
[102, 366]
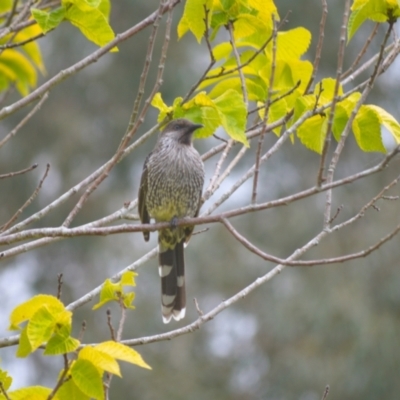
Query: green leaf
[375, 10]
[100, 359]
[367, 130]
[255, 87]
[48, 20]
[265, 10]
[5, 5]
[387, 120]
[31, 393]
[17, 68]
[122, 352]
[105, 8]
[246, 25]
[158, 103]
[193, 19]
[128, 300]
[232, 112]
[40, 327]
[222, 51]
[292, 44]
[27, 309]
[108, 293]
[69, 391]
[31, 49]
[312, 133]
[128, 278]
[5, 380]
[92, 23]
[87, 378]
[59, 344]
[24, 346]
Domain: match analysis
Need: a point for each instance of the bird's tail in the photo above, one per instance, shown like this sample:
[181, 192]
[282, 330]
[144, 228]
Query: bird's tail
[172, 273]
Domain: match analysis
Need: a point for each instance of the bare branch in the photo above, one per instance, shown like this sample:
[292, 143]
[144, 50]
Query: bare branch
[21, 172]
[238, 62]
[26, 204]
[361, 53]
[266, 113]
[25, 120]
[320, 44]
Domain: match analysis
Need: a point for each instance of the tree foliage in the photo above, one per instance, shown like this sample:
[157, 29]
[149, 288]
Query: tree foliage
[258, 81]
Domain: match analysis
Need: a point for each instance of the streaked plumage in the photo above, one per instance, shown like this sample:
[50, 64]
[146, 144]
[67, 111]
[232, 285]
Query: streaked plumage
[170, 188]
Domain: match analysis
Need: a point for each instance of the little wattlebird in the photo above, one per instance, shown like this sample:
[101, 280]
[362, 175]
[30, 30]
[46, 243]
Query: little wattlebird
[170, 189]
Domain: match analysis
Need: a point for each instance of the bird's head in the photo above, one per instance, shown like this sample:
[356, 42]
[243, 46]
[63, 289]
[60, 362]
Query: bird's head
[180, 130]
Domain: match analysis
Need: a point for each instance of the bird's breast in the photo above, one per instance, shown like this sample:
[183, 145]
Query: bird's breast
[175, 183]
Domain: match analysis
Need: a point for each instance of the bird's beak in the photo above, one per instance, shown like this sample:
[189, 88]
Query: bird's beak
[196, 126]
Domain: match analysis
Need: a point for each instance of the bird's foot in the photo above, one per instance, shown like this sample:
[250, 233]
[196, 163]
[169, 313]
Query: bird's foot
[174, 223]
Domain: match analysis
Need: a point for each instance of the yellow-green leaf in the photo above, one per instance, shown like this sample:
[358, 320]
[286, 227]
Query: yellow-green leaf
[24, 346]
[265, 10]
[5, 380]
[122, 352]
[158, 103]
[127, 299]
[292, 44]
[193, 19]
[232, 112]
[387, 120]
[27, 309]
[59, 344]
[92, 23]
[48, 20]
[367, 130]
[128, 278]
[31, 49]
[326, 90]
[31, 393]
[100, 359]
[312, 133]
[375, 10]
[5, 5]
[108, 293]
[25, 73]
[246, 25]
[40, 327]
[88, 378]
[69, 391]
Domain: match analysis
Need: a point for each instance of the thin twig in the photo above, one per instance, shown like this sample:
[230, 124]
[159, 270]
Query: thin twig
[110, 326]
[328, 134]
[4, 392]
[146, 68]
[217, 171]
[16, 173]
[27, 202]
[59, 285]
[211, 54]
[24, 120]
[266, 113]
[238, 62]
[22, 42]
[361, 53]
[61, 379]
[326, 392]
[11, 13]
[320, 44]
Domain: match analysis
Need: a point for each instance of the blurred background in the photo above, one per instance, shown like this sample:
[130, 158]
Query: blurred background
[308, 327]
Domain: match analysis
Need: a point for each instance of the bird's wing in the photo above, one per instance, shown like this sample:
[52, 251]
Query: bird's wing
[189, 229]
[143, 213]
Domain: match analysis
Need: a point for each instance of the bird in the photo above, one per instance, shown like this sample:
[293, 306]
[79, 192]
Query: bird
[171, 187]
